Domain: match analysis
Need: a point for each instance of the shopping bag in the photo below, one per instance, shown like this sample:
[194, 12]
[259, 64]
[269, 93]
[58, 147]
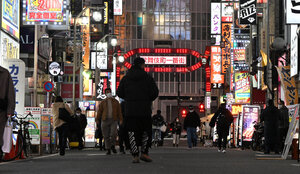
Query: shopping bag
[163, 128]
[7, 136]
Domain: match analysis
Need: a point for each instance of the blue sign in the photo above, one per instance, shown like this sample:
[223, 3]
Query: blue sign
[48, 86]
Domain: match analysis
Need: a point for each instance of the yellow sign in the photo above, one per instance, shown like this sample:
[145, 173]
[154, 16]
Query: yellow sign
[86, 42]
[106, 13]
[236, 109]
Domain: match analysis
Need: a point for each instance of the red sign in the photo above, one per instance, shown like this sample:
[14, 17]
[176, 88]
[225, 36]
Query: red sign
[216, 76]
[48, 86]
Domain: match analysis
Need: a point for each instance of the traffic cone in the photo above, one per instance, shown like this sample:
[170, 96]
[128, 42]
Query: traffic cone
[11, 154]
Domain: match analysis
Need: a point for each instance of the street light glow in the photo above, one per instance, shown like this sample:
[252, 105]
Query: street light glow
[121, 58]
[113, 41]
[97, 16]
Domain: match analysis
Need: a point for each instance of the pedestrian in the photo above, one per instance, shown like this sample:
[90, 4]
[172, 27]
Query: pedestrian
[270, 116]
[138, 89]
[223, 118]
[123, 135]
[99, 135]
[61, 126]
[283, 123]
[157, 123]
[7, 102]
[191, 122]
[110, 114]
[81, 119]
[176, 131]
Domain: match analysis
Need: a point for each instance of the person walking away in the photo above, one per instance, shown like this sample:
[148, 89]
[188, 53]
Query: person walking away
[176, 131]
[270, 116]
[139, 90]
[157, 122]
[59, 125]
[123, 135]
[7, 102]
[81, 119]
[223, 118]
[110, 114]
[191, 122]
[283, 123]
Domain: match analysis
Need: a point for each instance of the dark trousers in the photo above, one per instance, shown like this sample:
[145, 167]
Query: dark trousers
[283, 133]
[123, 138]
[139, 138]
[222, 139]
[80, 135]
[62, 133]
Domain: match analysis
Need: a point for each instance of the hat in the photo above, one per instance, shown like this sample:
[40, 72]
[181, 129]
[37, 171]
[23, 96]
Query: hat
[138, 61]
[191, 107]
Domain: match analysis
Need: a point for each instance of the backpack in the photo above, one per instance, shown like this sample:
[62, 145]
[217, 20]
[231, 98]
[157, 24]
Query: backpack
[222, 120]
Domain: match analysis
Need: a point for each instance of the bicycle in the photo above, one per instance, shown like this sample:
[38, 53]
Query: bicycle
[156, 137]
[23, 138]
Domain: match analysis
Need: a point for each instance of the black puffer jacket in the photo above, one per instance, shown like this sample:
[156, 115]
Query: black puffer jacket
[192, 120]
[138, 89]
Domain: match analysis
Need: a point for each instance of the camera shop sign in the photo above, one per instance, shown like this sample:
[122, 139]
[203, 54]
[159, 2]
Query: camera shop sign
[248, 12]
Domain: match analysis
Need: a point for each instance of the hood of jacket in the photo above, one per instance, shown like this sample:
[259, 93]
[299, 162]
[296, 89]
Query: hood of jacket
[136, 74]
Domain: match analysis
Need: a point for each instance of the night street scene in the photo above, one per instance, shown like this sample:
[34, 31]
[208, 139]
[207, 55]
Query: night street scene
[149, 86]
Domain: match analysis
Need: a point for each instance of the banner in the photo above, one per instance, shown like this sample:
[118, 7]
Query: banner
[292, 12]
[226, 51]
[250, 117]
[294, 50]
[247, 12]
[216, 76]
[288, 85]
[242, 87]
[215, 18]
[34, 124]
[10, 20]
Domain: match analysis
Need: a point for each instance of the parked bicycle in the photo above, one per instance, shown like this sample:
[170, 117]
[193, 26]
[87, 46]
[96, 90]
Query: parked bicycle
[23, 137]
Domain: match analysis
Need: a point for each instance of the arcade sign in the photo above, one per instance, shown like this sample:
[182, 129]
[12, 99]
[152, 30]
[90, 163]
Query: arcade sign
[164, 60]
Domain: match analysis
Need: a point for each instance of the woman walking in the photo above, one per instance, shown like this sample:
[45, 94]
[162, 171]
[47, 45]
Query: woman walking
[59, 125]
[176, 131]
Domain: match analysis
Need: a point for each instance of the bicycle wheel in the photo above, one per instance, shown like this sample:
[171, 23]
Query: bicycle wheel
[27, 144]
[18, 148]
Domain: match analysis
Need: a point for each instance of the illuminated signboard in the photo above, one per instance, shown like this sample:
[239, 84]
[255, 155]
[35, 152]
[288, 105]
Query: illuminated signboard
[226, 51]
[216, 76]
[215, 18]
[9, 48]
[165, 60]
[86, 42]
[11, 17]
[242, 87]
[250, 116]
[118, 7]
[44, 12]
[236, 109]
[239, 54]
[227, 12]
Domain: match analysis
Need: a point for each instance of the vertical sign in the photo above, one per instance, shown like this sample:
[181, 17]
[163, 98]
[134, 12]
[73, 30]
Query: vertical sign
[34, 124]
[227, 12]
[294, 50]
[292, 12]
[289, 85]
[216, 76]
[247, 12]
[46, 125]
[226, 51]
[215, 18]
[250, 116]
[242, 87]
[9, 48]
[86, 41]
[11, 17]
[118, 7]
[105, 13]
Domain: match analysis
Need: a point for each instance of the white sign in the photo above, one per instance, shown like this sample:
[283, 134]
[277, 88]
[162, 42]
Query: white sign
[208, 102]
[54, 68]
[16, 68]
[118, 7]
[292, 11]
[165, 60]
[9, 48]
[34, 124]
[215, 18]
[101, 60]
[294, 50]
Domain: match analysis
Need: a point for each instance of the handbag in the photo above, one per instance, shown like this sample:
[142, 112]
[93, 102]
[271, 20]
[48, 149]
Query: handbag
[65, 115]
[163, 128]
[7, 136]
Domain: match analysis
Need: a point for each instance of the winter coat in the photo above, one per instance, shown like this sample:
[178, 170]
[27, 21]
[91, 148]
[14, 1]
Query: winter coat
[270, 116]
[55, 111]
[138, 89]
[157, 120]
[176, 127]
[7, 99]
[192, 119]
[82, 121]
[284, 118]
[221, 128]
[103, 110]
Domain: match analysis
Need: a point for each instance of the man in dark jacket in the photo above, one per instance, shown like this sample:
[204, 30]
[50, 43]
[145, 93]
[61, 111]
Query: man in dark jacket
[139, 90]
[157, 122]
[223, 118]
[283, 123]
[191, 122]
[81, 119]
[270, 116]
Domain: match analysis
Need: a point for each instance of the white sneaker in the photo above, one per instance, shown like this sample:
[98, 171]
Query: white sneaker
[219, 150]
[224, 151]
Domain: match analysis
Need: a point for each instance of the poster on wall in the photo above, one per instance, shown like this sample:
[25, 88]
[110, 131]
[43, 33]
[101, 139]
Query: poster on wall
[292, 12]
[11, 17]
[9, 48]
[34, 124]
[250, 117]
[242, 87]
[51, 12]
[247, 11]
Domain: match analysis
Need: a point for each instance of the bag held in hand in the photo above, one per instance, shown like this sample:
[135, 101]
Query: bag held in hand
[7, 136]
[65, 115]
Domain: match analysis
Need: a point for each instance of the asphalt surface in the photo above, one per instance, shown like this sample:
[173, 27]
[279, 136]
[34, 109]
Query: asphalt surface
[165, 160]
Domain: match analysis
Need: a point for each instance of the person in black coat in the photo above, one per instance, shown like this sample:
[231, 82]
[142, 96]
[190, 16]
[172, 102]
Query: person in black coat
[283, 123]
[191, 122]
[176, 131]
[270, 116]
[139, 90]
[223, 118]
[123, 135]
[81, 119]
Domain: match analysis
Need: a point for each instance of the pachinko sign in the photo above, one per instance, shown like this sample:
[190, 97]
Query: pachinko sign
[44, 12]
[242, 87]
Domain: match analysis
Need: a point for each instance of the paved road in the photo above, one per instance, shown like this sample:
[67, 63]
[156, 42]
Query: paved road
[166, 160]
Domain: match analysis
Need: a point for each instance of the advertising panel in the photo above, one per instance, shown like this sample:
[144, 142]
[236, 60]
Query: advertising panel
[242, 87]
[9, 48]
[11, 17]
[216, 76]
[50, 12]
[86, 42]
[292, 12]
[250, 116]
[90, 130]
[34, 124]
[294, 50]
[26, 40]
[118, 7]
[226, 51]
[46, 125]
[289, 85]
[239, 54]
[164, 60]
[236, 109]
[215, 18]
[247, 12]
[227, 12]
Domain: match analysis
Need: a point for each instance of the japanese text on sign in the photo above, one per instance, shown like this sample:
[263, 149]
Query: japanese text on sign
[215, 18]
[168, 60]
[216, 76]
[226, 38]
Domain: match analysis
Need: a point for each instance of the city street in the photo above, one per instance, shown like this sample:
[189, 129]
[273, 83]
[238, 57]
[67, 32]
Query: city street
[166, 160]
